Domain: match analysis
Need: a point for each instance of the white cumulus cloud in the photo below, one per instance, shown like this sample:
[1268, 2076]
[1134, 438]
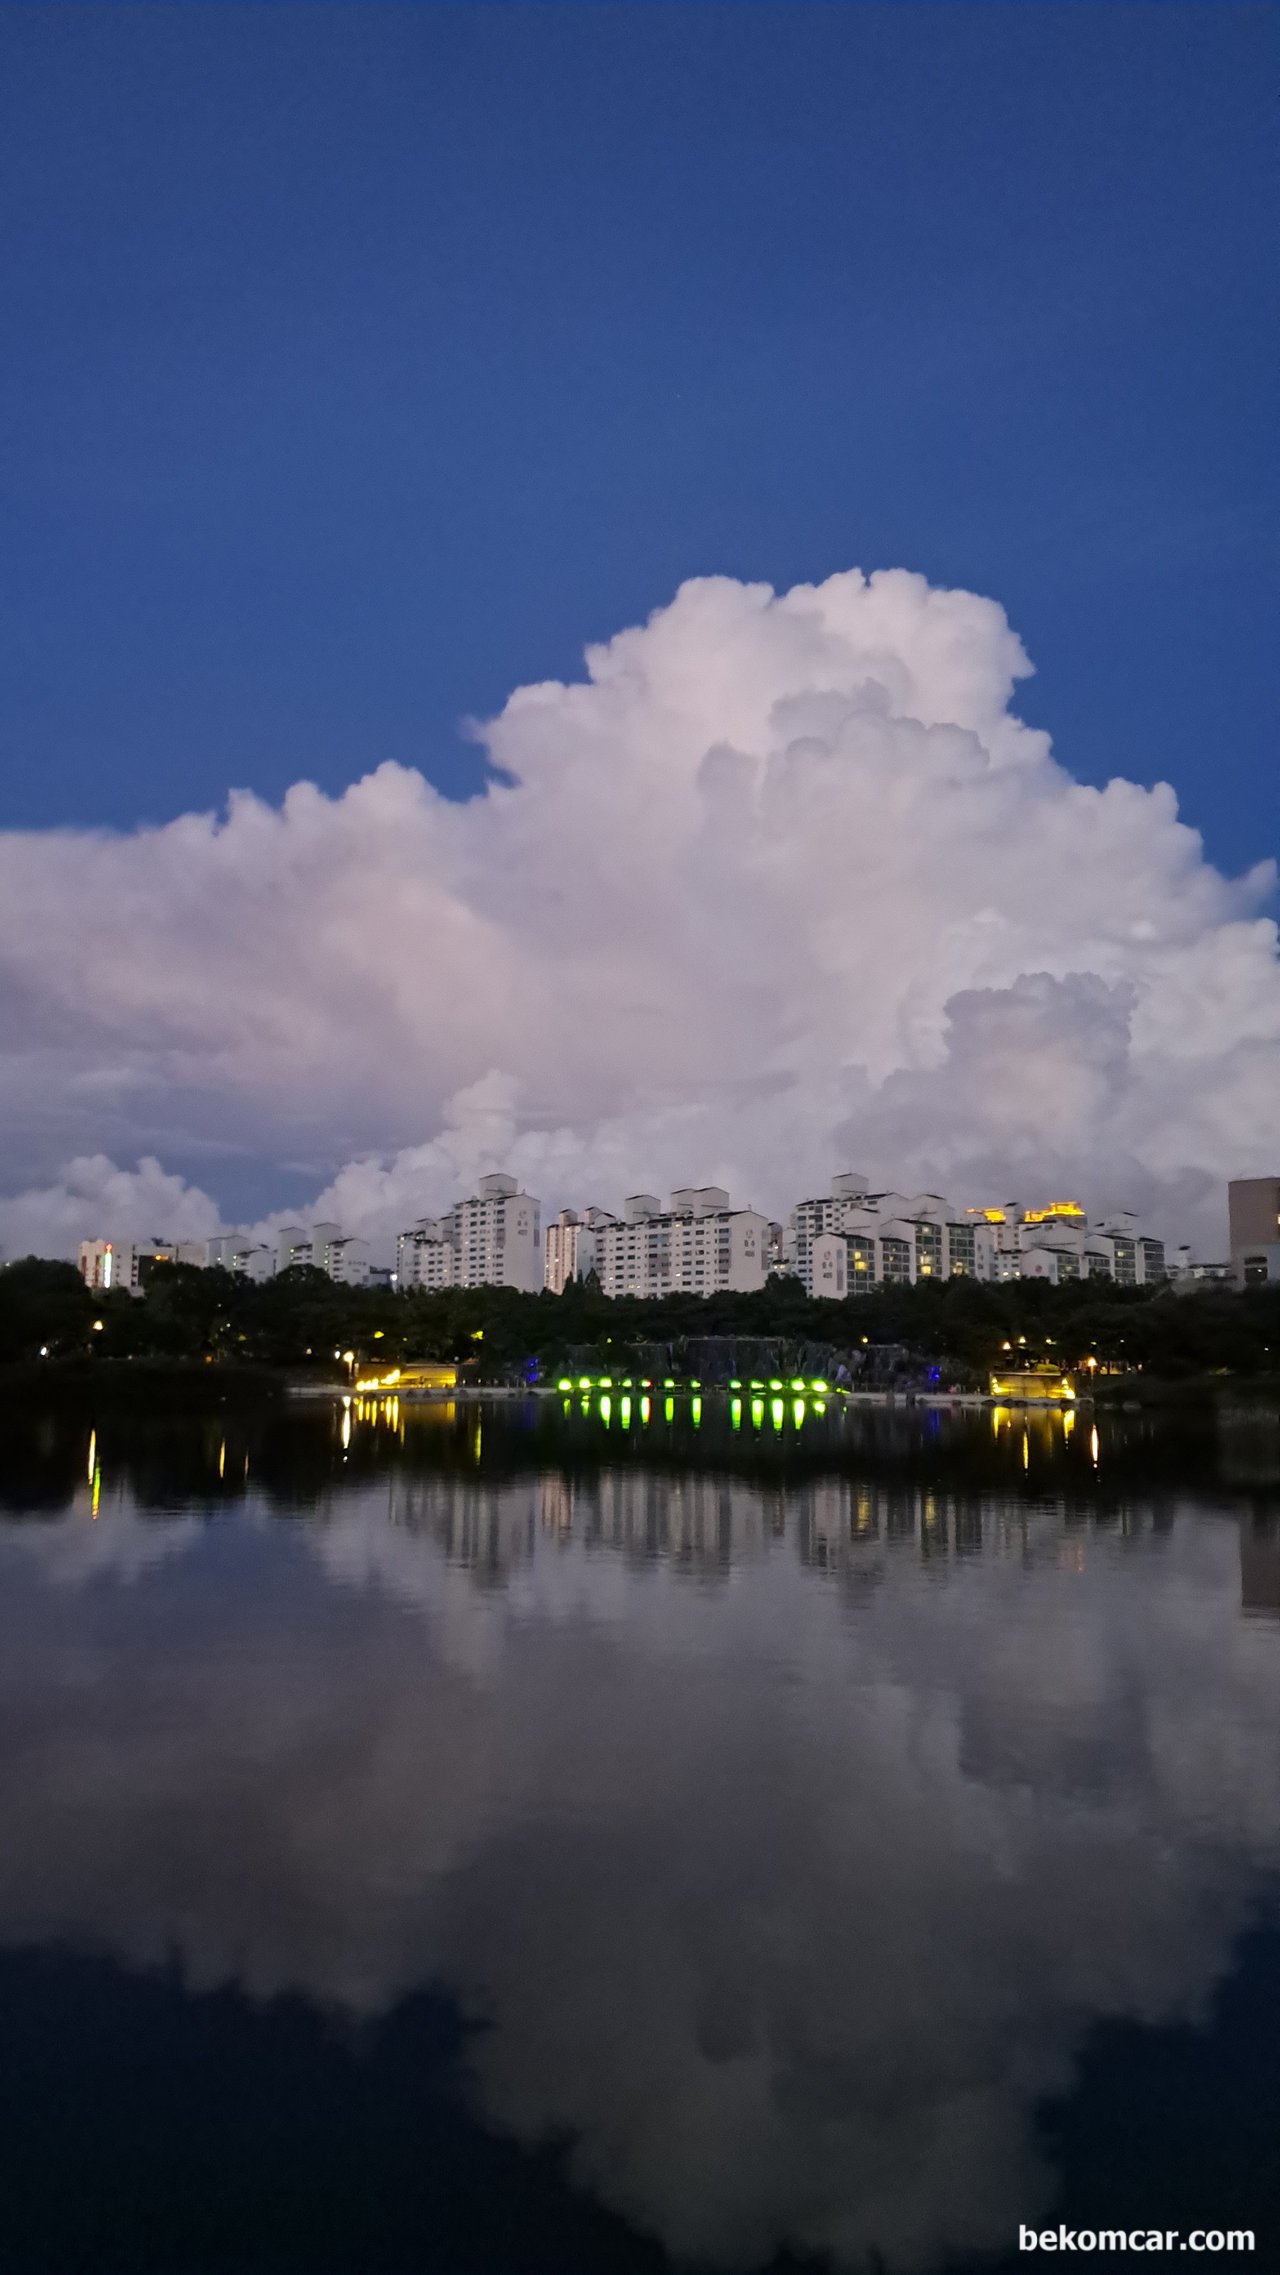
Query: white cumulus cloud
[783, 885]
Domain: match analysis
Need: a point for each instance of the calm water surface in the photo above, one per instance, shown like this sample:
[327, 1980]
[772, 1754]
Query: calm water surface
[529, 1838]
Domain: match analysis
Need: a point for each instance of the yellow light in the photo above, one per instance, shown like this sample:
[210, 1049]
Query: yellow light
[348, 1358]
[97, 1326]
[377, 1334]
[819, 1406]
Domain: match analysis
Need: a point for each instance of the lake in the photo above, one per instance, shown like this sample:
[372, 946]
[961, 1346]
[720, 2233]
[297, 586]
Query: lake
[533, 1837]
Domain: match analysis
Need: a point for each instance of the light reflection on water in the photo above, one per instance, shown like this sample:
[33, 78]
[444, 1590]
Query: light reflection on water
[791, 1807]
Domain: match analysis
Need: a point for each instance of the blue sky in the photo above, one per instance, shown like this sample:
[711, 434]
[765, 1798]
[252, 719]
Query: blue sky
[364, 362]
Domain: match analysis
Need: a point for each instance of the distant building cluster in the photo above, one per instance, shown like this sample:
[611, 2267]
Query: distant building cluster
[128, 1264]
[853, 1238]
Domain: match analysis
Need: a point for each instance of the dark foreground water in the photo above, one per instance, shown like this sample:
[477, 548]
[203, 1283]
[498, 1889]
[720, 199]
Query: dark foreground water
[529, 1839]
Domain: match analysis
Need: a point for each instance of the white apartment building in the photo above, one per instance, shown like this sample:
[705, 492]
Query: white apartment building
[1058, 1244]
[426, 1256]
[697, 1245]
[240, 1253]
[886, 1237]
[491, 1240]
[327, 1248]
[293, 1246]
[569, 1247]
[857, 1239]
[107, 1264]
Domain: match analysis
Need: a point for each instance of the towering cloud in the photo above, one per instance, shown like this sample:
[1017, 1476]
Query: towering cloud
[785, 882]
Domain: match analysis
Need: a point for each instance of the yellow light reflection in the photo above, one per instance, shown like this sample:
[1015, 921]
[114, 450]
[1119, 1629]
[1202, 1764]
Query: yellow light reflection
[757, 1413]
[97, 1493]
[222, 1459]
[797, 1412]
[346, 1422]
[644, 1410]
[669, 1409]
[695, 1409]
[606, 1410]
[624, 1412]
[1093, 1445]
[777, 1412]
[735, 1413]
[93, 1455]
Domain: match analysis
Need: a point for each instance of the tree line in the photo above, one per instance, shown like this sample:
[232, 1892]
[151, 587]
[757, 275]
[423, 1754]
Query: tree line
[303, 1320]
